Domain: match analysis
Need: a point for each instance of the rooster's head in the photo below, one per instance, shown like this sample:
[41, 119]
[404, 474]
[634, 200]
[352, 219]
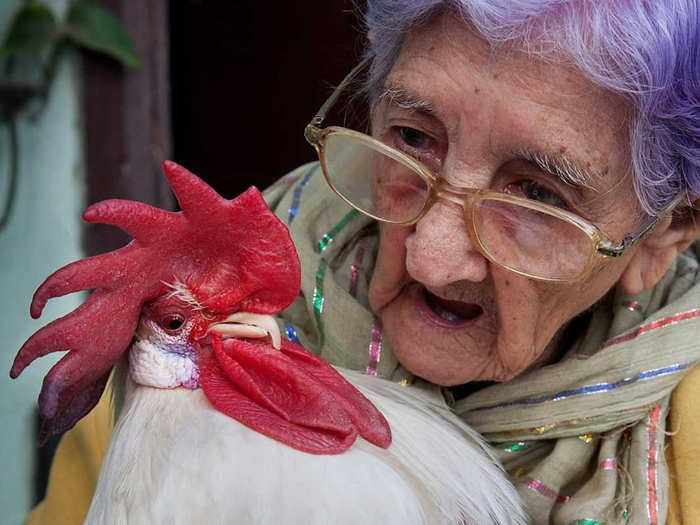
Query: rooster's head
[195, 291]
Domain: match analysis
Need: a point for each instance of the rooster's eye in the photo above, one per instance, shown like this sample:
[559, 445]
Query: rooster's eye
[172, 322]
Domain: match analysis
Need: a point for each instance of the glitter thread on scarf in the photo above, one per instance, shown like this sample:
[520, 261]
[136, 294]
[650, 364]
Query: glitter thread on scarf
[587, 438]
[608, 464]
[593, 389]
[296, 197]
[375, 347]
[544, 428]
[652, 468]
[632, 306]
[654, 325]
[328, 237]
[318, 300]
[540, 487]
[291, 333]
[551, 426]
[585, 521]
[355, 268]
[514, 447]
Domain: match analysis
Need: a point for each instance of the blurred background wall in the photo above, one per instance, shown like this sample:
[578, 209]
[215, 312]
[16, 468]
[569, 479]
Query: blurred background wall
[224, 88]
[43, 232]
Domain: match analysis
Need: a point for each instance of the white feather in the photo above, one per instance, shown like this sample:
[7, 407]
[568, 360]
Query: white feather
[149, 365]
[173, 459]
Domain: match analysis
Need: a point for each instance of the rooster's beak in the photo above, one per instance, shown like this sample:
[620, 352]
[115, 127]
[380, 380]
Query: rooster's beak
[248, 325]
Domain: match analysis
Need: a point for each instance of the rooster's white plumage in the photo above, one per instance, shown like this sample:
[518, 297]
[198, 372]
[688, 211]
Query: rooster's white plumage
[175, 459]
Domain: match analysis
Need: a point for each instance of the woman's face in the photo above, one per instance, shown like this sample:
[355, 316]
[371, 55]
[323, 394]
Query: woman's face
[475, 116]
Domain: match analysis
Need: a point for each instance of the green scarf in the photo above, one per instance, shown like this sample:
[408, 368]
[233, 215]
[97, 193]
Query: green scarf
[582, 439]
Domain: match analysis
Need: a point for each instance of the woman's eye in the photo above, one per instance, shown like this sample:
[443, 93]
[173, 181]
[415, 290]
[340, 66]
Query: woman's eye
[536, 192]
[413, 138]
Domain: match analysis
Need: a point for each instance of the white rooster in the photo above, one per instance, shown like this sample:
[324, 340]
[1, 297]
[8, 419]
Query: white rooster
[220, 420]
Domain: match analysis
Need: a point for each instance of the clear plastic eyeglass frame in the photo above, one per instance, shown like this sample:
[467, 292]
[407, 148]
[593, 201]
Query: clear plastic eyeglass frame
[467, 198]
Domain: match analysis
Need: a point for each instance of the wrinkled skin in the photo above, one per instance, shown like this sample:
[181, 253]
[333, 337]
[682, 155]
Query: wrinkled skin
[483, 322]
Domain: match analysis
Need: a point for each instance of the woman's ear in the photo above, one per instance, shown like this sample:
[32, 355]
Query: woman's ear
[658, 251]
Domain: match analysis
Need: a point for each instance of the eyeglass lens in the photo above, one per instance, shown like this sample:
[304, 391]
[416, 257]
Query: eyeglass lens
[520, 238]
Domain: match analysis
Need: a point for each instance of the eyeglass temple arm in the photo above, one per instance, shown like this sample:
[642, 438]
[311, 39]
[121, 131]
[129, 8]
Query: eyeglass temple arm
[611, 249]
[328, 104]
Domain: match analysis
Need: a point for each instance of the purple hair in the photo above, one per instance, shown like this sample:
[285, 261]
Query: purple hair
[646, 50]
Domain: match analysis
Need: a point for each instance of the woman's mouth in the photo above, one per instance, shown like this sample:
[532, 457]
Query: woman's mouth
[443, 312]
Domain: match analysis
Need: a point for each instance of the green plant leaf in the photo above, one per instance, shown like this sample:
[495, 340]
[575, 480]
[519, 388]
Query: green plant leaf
[92, 26]
[31, 32]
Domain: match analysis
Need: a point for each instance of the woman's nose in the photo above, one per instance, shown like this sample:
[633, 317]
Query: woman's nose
[440, 252]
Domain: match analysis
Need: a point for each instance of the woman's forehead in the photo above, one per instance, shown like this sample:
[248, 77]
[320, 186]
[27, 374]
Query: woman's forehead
[455, 58]
[510, 100]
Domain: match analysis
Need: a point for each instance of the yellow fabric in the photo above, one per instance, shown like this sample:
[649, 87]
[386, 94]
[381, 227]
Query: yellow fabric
[683, 454]
[75, 468]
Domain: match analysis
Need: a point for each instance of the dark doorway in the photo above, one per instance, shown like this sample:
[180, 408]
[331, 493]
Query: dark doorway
[246, 77]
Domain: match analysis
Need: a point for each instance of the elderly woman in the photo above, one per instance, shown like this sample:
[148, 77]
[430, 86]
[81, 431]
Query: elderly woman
[533, 167]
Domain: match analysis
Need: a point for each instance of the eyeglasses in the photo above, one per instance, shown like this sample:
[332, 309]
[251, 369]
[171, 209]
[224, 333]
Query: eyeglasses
[527, 237]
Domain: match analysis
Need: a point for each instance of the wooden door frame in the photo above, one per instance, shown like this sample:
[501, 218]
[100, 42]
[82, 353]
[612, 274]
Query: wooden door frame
[128, 119]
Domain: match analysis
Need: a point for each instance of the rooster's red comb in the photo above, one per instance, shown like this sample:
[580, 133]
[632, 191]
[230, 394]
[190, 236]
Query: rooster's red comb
[234, 255]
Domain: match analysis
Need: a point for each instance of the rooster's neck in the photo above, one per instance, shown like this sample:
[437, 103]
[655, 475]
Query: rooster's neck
[150, 365]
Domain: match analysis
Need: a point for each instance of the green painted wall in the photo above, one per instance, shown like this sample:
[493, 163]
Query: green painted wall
[42, 235]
